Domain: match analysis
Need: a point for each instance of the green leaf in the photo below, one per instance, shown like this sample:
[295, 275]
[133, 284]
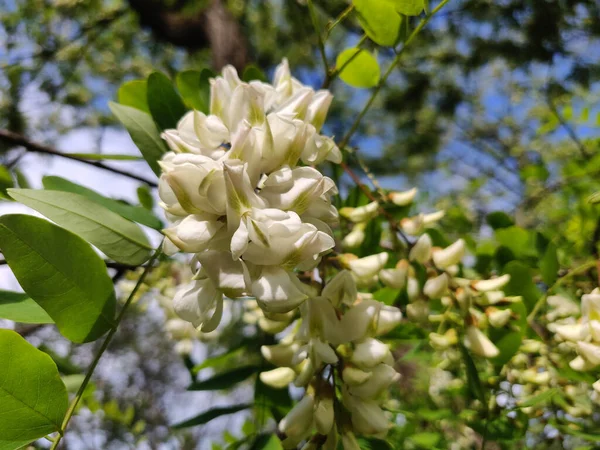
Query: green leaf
[166, 106]
[499, 219]
[134, 93]
[408, 7]
[220, 359]
[521, 283]
[549, 265]
[62, 273]
[387, 295]
[33, 399]
[508, 345]
[105, 156]
[375, 444]
[224, 380]
[267, 442]
[117, 237]
[426, 439]
[22, 181]
[379, 19]
[360, 68]
[473, 381]
[19, 307]
[194, 87]
[520, 241]
[252, 72]
[594, 198]
[143, 132]
[134, 213]
[145, 197]
[209, 415]
[6, 181]
[542, 398]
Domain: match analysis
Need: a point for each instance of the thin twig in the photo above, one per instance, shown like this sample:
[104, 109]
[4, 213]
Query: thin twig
[103, 348]
[35, 147]
[542, 300]
[388, 72]
[330, 26]
[313, 18]
[570, 131]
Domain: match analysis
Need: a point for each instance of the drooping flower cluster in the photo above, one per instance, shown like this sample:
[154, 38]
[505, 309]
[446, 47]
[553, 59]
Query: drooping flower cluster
[585, 335]
[238, 199]
[471, 306]
[335, 337]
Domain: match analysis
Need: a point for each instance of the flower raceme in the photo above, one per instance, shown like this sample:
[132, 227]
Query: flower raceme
[242, 196]
[238, 200]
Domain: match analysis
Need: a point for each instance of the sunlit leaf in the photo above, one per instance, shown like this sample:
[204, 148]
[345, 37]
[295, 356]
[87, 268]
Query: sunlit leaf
[134, 213]
[143, 132]
[62, 273]
[134, 93]
[33, 399]
[117, 237]
[19, 307]
[194, 87]
[166, 106]
[379, 19]
[360, 68]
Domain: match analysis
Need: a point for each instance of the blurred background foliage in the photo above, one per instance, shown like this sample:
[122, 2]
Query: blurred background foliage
[495, 107]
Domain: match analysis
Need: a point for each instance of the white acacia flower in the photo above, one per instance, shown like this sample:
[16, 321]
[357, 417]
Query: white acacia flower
[365, 270]
[479, 343]
[403, 198]
[200, 303]
[361, 213]
[449, 256]
[421, 251]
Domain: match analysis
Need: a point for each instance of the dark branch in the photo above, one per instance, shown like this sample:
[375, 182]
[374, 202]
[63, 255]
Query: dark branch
[19, 140]
[211, 27]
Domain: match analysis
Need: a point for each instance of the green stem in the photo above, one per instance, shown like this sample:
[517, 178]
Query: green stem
[313, 18]
[337, 21]
[581, 269]
[388, 72]
[103, 348]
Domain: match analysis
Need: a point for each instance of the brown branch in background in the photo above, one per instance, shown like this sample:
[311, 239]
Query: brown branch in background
[35, 147]
[211, 26]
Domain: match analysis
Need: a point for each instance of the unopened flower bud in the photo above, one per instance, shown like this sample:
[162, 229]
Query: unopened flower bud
[278, 378]
[436, 287]
[349, 441]
[418, 311]
[498, 317]
[479, 343]
[450, 255]
[492, 284]
[413, 290]
[355, 237]
[590, 352]
[299, 419]
[370, 352]
[353, 376]
[281, 355]
[360, 214]
[403, 198]
[443, 341]
[395, 278]
[421, 251]
[324, 414]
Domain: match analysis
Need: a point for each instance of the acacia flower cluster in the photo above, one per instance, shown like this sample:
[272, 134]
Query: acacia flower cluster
[242, 197]
[238, 199]
[471, 306]
[585, 335]
[335, 337]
